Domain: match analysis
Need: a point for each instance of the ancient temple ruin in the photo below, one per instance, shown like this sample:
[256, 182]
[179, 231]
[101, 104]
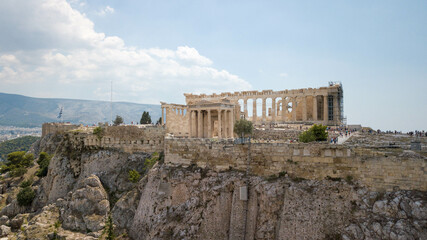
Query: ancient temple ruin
[208, 116]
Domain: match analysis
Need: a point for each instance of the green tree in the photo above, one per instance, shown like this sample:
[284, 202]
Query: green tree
[145, 118]
[243, 127]
[118, 120]
[134, 176]
[315, 133]
[25, 196]
[159, 122]
[43, 162]
[17, 163]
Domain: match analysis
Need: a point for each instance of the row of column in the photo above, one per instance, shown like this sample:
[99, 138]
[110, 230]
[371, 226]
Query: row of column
[293, 100]
[202, 123]
[177, 110]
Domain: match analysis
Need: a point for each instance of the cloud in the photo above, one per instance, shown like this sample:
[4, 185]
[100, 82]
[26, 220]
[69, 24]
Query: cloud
[283, 75]
[105, 11]
[55, 47]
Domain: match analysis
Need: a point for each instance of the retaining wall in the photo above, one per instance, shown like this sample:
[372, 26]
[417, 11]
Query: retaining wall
[309, 161]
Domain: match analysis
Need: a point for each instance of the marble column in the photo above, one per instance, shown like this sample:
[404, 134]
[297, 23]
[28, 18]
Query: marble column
[190, 114]
[264, 109]
[226, 121]
[304, 108]
[209, 124]
[245, 103]
[284, 109]
[273, 110]
[232, 124]
[254, 115]
[314, 108]
[219, 123]
[336, 114]
[199, 124]
[294, 107]
[325, 109]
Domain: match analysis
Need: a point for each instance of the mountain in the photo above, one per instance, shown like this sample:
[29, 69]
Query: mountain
[22, 111]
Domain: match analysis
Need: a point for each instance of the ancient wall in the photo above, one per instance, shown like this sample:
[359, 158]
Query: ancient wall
[51, 128]
[127, 138]
[178, 121]
[275, 134]
[310, 161]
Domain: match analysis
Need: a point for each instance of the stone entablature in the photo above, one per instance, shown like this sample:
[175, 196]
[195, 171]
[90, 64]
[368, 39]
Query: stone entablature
[315, 105]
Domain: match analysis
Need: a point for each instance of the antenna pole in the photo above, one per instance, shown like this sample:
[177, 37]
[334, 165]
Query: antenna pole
[111, 103]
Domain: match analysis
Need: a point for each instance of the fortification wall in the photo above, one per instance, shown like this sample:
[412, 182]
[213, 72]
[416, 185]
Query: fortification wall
[275, 134]
[309, 161]
[52, 128]
[126, 138]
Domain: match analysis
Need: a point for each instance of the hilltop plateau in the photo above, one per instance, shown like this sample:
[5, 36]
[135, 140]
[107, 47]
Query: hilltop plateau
[88, 193]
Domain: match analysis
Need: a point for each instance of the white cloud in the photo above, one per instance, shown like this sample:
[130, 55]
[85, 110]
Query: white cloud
[105, 11]
[283, 75]
[65, 54]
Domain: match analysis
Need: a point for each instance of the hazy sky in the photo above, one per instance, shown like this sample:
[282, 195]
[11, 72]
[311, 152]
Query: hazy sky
[157, 50]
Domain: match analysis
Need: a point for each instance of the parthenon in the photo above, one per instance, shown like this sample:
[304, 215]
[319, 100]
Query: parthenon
[208, 116]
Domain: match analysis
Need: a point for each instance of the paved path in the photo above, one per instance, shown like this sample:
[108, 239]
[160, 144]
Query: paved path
[342, 139]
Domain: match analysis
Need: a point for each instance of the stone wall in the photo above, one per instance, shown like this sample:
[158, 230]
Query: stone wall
[310, 161]
[52, 128]
[275, 134]
[130, 139]
[178, 122]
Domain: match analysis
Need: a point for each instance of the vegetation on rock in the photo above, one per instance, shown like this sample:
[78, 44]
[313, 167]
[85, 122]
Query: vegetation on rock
[315, 133]
[43, 162]
[17, 163]
[134, 176]
[25, 196]
[99, 132]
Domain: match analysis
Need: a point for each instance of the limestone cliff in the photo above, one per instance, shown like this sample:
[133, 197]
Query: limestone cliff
[86, 185]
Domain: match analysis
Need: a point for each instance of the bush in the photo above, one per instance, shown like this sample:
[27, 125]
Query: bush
[149, 162]
[25, 196]
[315, 133]
[18, 172]
[243, 127]
[17, 162]
[26, 183]
[43, 162]
[99, 132]
[134, 176]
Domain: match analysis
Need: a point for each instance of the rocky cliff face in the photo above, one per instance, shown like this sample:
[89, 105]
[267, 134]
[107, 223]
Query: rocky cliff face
[194, 204]
[85, 186]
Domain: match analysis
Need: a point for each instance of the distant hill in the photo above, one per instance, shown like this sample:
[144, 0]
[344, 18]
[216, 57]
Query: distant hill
[22, 111]
[17, 144]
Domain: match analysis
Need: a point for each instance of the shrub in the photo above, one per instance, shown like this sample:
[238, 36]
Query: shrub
[315, 133]
[26, 183]
[43, 162]
[25, 196]
[149, 162]
[18, 172]
[134, 176]
[99, 132]
[109, 229]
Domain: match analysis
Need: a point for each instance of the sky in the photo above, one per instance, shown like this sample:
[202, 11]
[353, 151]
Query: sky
[157, 50]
